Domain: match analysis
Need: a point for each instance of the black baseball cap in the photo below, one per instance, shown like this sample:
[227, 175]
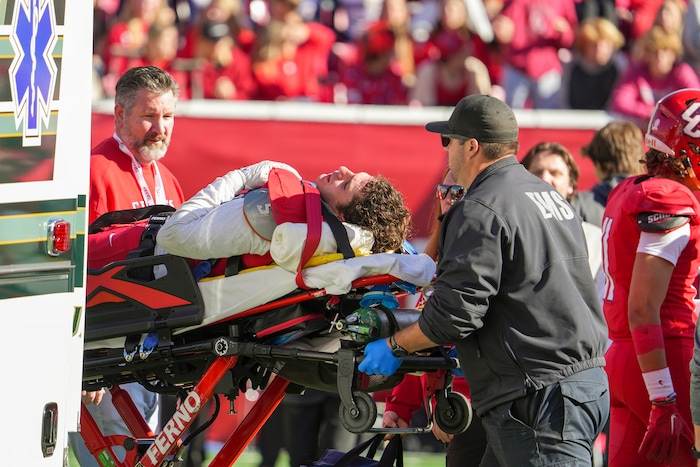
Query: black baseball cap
[486, 118]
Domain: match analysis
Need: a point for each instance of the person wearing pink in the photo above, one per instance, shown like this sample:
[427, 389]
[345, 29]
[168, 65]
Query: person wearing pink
[534, 31]
[691, 35]
[230, 12]
[396, 14]
[454, 21]
[290, 55]
[372, 80]
[454, 73]
[651, 236]
[636, 17]
[659, 72]
[161, 51]
[128, 36]
[222, 68]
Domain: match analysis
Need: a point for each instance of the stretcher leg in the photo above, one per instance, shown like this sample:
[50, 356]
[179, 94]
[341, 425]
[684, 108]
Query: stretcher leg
[130, 413]
[169, 439]
[160, 446]
[251, 424]
[99, 445]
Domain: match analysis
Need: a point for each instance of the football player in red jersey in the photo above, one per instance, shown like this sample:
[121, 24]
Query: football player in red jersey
[651, 237]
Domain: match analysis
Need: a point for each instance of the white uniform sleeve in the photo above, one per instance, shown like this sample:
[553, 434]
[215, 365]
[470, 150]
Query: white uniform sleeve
[668, 245]
[211, 224]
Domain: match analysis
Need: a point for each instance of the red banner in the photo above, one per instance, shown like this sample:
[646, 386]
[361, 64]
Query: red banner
[203, 148]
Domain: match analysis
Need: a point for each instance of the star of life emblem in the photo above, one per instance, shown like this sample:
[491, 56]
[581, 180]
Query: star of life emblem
[33, 70]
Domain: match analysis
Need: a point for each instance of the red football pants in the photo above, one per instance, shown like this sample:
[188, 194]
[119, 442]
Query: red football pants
[630, 405]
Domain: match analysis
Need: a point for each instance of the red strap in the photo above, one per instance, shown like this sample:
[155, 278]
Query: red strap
[314, 220]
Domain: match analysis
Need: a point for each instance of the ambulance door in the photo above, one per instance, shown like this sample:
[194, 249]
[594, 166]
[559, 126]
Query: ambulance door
[45, 110]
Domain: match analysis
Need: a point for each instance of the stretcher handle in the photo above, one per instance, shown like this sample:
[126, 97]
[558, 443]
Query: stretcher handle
[411, 363]
[411, 430]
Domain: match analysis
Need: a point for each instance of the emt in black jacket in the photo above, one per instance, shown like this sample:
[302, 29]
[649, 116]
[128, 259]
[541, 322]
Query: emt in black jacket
[515, 294]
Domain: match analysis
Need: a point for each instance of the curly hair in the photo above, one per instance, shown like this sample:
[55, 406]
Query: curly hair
[665, 165]
[380, 209]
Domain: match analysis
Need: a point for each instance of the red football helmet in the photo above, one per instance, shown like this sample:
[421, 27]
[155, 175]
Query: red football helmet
[674, 128]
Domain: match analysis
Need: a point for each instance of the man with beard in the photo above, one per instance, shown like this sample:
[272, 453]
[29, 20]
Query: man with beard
[126, 173]
[125, 169]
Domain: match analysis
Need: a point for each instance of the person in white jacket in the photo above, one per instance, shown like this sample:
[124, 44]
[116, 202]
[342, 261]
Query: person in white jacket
[216, 223]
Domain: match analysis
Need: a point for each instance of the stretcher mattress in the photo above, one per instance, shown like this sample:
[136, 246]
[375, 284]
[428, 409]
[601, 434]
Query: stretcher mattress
[225, 297]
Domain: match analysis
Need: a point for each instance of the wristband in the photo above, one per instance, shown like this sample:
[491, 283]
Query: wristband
[665, 401]
[659, 384]
[647, 337]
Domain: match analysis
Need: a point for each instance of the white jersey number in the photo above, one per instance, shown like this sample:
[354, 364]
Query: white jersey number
[609, 289]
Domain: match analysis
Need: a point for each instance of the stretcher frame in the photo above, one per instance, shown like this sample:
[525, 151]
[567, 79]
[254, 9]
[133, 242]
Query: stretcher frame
[225, 355]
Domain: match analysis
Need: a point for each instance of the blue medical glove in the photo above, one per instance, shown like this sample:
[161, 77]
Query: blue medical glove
[379, 360]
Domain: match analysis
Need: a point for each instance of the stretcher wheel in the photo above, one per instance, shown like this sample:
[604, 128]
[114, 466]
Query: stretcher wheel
[453, 412]
[359, 420]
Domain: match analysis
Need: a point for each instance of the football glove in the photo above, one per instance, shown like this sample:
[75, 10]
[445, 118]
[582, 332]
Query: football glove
[666, 426]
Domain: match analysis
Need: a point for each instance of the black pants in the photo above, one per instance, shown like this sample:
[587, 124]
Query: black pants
[305, 426]
[312, 425]
[466, 449]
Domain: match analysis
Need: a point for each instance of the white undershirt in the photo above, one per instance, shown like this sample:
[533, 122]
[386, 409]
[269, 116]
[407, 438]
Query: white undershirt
[667, 245]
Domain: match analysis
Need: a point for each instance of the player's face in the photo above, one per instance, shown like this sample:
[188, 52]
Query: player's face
[552, 169]
[338, 188]
[147, 128]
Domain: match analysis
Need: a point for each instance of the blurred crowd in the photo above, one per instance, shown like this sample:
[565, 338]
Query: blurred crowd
[619, 56]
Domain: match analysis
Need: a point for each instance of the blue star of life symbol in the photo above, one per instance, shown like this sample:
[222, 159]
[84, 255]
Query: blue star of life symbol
[33, 70]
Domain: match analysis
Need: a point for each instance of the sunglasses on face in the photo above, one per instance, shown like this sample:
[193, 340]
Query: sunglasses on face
[446, 140]
[456, 191]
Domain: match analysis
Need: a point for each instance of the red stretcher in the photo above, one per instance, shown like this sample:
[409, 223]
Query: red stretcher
[126, 303]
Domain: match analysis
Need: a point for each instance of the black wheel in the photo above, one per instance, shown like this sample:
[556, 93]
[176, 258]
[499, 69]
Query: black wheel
[453, 414]
[363, 419]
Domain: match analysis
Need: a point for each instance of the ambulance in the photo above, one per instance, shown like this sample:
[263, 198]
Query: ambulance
[45, 115]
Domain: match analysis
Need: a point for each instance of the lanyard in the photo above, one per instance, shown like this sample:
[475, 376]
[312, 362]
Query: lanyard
[138, 173]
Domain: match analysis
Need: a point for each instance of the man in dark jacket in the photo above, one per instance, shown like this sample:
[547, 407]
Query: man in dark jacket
[515, 295]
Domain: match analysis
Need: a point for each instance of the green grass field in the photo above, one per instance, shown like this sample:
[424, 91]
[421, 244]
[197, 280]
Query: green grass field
[251, 458]
[419, 451]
